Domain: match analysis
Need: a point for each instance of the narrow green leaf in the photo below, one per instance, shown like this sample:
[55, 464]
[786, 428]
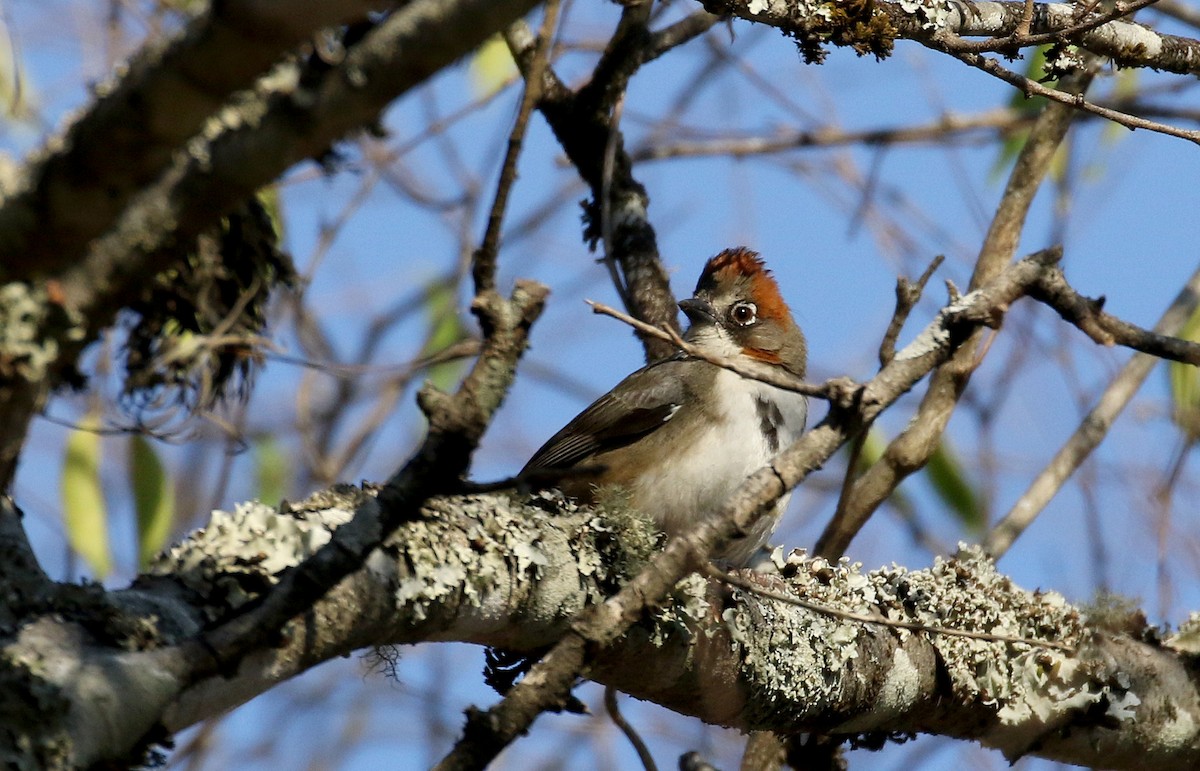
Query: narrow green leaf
[270, 471]
[16, 92]
[445, 329]
[949, 481]
[1035, 69]
[269, 198]
[1185, 385]
[85, 515]
[153, 496]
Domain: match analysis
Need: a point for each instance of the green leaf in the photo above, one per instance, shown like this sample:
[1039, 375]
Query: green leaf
[949, 481]
[269, 198]
[153, 496]
[445, 329]
[85, 515]
[270, 471]
[16, 93]
[492, 67]
[1035, 69]
[1185, 385]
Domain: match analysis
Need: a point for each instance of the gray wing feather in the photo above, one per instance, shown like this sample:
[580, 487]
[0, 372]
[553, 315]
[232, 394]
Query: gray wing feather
[637, 406]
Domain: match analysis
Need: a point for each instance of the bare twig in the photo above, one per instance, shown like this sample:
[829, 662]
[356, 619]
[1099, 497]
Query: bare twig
[1032, 87]
[484, 263]
[907, 295]
[770, 375]
[614, 712]
[940, 131]
[582, 122]
[1092, 430]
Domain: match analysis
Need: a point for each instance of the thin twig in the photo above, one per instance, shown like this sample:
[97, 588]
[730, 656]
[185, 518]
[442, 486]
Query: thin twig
[614, 712]
[1032, 87]
[875, 618]
[1092, 430]
[606, 179]
[907, 295]
[484, 263]
[768, 375]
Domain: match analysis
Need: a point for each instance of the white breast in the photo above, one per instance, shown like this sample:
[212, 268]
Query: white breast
[722, 457]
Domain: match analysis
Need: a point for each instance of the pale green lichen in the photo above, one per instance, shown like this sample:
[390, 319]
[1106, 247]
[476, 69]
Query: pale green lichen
[932, 13]
[799, 657]
[789, 651]
[31, 331]
[1187, 637]
[238, 554]
[485, 552]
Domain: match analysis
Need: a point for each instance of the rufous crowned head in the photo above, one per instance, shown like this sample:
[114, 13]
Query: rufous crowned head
[737, 309]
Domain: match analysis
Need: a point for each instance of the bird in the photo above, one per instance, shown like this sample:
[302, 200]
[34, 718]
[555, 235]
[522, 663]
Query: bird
[681, 434]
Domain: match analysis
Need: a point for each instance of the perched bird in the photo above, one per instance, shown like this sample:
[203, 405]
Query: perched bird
[681, 434]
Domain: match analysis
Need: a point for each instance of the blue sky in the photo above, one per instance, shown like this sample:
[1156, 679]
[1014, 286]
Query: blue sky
[1129, 233]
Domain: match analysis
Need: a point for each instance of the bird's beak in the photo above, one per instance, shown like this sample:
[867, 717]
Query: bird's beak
[698, 311]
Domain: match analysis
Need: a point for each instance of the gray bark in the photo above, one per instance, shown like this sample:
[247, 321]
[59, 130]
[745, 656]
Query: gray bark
[513, 570]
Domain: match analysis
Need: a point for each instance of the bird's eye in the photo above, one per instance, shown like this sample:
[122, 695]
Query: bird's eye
[744, 313]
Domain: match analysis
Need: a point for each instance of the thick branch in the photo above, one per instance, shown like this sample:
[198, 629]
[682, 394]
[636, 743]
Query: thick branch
[84, 179]
[469, 567]
[1126, 43]
[243, 148]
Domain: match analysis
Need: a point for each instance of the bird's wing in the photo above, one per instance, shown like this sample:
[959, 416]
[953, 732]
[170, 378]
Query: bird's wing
[637, 406]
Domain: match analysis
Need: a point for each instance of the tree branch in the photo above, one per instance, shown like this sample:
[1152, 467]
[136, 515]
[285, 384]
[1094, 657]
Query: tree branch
[1092, 430]
[467, 567]
[584, 126]
[246, 146]
[84, 179]
[914, 446]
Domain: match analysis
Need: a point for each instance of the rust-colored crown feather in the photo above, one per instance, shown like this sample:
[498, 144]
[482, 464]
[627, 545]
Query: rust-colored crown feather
[741, 264]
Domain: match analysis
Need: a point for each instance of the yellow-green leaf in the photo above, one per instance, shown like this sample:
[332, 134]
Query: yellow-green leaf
[949, 481]
[269, 198]
[1035, 69]
[270, 471]
[153, 496]
[16, 100]
[492, 67]
[85, 515]
[445, 329]
[1185, 385]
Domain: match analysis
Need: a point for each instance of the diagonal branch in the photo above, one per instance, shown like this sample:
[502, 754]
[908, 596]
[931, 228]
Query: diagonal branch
[914, 446]
[585, 125]
[548, 683]
[1092, 430]
[456, 423]
[85, 178]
